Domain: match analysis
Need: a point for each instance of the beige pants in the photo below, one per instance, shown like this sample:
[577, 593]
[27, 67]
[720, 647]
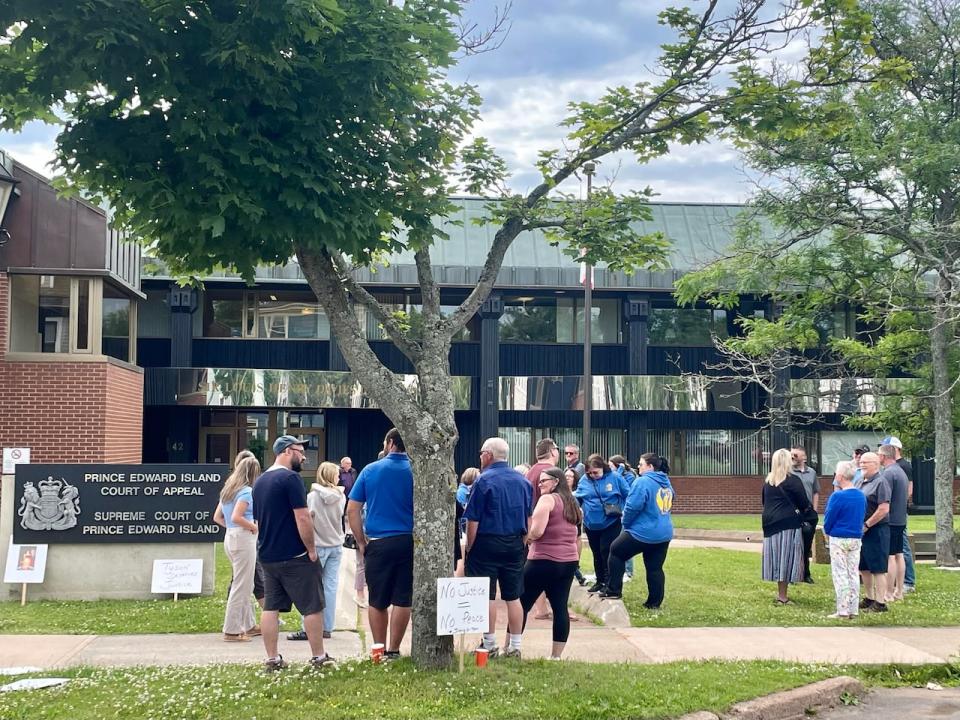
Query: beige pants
[241, 547]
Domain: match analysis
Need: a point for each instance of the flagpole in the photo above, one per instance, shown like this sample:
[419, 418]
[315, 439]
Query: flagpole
[589, 169]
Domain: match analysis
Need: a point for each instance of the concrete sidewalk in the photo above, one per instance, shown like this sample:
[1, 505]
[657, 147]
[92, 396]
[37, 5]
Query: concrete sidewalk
[616, 642]
[588, 643]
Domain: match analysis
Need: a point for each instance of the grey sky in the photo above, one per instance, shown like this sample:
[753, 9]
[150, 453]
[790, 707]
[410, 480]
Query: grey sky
[557, 51]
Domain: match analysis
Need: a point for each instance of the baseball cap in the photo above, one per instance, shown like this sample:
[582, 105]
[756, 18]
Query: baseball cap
[861, 450]
[285, 441]
[892, 440]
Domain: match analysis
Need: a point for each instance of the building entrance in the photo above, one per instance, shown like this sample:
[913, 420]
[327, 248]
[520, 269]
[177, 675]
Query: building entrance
[225, 432]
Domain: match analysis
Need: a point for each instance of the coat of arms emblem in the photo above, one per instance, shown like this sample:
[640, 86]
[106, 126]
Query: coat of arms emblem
[53, 505]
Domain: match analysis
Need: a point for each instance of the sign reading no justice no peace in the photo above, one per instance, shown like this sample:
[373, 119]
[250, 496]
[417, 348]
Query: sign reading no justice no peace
[117, 503]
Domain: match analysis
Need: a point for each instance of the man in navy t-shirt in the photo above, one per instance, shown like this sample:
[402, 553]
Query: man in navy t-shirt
[285, 548]
[385, 542]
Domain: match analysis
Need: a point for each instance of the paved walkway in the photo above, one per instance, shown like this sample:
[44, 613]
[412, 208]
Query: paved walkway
[587, 642]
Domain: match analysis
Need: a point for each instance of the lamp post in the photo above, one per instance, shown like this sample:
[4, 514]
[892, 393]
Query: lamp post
[589, 169]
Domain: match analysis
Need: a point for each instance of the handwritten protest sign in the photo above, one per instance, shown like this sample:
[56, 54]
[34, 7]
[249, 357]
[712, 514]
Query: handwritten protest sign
[177, 576]
[462, 605]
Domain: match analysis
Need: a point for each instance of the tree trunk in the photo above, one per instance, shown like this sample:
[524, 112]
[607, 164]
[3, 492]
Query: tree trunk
[434, 519]
[943, 428]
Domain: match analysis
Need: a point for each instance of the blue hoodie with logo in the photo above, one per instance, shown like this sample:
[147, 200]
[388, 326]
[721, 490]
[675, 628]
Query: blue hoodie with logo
[646, 515]
[592, 494]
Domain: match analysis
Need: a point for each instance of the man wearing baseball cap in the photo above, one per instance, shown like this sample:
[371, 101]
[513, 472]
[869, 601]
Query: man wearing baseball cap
[285, 548]
[910, 577]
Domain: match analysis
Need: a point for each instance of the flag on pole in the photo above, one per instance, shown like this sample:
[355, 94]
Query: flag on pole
[583, 270]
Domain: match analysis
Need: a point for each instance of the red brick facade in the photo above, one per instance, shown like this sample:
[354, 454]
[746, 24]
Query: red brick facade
[69, 411]
[728, 494]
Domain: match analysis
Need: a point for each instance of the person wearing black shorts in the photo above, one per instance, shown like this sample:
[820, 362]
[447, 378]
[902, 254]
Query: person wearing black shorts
[385, 540]
[498, 516]
[285, 548]
[875, 546]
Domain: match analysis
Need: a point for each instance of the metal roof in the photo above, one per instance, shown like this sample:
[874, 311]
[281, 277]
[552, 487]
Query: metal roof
[697, 232]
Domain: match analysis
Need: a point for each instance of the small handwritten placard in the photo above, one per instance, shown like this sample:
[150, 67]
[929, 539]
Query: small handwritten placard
[463, 605]
[177, 576]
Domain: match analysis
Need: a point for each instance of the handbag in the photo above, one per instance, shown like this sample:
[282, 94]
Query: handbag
[349, 541]
[609, 509]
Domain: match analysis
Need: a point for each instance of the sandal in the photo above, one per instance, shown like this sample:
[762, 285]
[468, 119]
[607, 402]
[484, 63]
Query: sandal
[778, 601]
[238, 637]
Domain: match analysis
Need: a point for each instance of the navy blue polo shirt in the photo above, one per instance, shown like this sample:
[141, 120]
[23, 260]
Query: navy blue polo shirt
[501, 501]
[276, 494]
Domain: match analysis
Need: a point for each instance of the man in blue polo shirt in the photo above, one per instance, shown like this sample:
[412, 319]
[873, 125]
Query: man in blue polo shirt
[386, 540]
[498, 516]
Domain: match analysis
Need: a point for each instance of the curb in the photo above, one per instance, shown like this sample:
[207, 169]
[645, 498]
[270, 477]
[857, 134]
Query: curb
[611, 613]
[796, 704]
[742, 536]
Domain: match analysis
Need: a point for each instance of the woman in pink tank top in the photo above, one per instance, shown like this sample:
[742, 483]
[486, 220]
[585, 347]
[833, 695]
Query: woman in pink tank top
[554, 553]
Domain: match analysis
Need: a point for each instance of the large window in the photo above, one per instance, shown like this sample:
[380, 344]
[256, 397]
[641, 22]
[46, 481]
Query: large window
[400, 303]
[604, 320]
[116, 323]
[278, 316]
[523, 441]
[691, 327]
[552, 320]
[58, 314]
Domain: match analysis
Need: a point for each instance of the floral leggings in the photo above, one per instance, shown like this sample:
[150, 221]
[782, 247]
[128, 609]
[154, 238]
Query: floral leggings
[845, 566]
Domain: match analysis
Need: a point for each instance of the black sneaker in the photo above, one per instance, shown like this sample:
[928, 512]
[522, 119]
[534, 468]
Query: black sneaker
[391, 655]
[607, 595]
[323, 661]
[866, 604]
[808, 580]
[298, 635]
[274, 664]
[596, 587]
[876, 607]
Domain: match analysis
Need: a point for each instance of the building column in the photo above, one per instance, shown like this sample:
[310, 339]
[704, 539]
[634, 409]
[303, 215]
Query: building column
[779, 397]
[336, 360]
[489, 396]
[183, 303]
[636, 311]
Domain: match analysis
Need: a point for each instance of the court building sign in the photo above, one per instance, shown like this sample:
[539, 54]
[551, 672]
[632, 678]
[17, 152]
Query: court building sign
[69, 504]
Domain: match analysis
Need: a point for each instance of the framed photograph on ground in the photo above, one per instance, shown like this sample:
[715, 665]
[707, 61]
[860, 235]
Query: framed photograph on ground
[25, 564]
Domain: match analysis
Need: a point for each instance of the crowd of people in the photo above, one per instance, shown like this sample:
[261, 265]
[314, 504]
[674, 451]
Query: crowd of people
[520, 527]
[864, 527]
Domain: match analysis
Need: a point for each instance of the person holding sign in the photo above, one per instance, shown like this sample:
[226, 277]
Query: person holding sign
[291, 573]
[235, 511]
[385, 540]
[498, 516]
[554, 553]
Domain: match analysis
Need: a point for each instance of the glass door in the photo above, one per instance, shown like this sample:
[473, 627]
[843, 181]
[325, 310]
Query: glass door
[218, 445]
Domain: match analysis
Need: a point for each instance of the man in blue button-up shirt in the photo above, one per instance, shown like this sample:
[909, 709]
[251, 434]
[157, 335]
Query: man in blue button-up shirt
[498, 515]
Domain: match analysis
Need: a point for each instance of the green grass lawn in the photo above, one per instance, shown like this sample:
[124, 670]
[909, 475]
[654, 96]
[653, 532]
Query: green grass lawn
[118, 617]
[706, 587]
[506, 689]
[751, 523]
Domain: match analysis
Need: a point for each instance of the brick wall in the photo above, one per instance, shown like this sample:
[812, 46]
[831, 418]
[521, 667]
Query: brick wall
[69, 412]
[736, 494]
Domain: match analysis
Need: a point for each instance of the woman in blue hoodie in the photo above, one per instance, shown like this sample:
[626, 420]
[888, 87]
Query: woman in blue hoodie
[647, 529]
[601, 493]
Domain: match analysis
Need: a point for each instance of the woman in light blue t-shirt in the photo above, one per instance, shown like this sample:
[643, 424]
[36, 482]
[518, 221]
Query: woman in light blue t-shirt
[235, 511]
